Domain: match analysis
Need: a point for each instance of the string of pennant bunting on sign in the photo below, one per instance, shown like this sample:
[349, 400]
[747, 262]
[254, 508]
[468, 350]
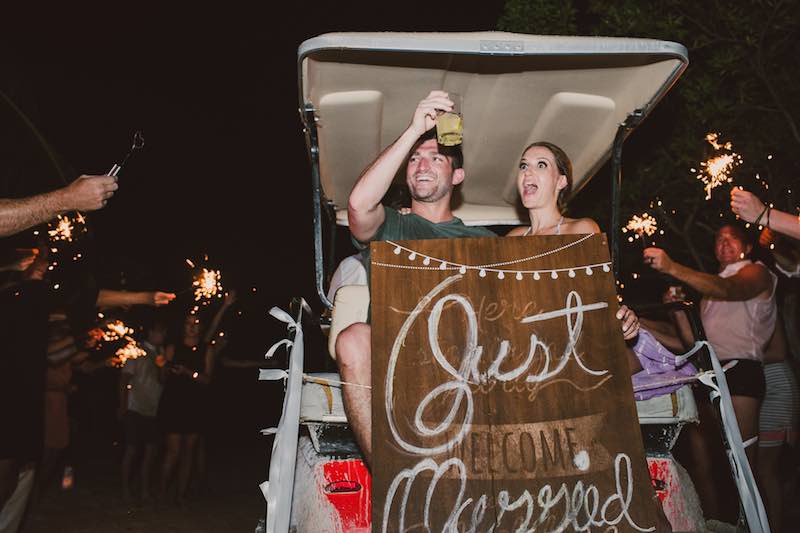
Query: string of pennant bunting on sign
[436, 263]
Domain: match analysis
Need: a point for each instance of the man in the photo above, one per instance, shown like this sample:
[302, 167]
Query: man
[738, 312]
[431, 175]
[87, 193]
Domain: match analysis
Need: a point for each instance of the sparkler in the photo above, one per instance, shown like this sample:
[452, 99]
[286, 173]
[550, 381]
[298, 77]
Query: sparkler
[716, 170]
[644, 224]
[131, 350]
[138, 144]
[641, 225]
[207, 285]
[117, 330]
[66, 228]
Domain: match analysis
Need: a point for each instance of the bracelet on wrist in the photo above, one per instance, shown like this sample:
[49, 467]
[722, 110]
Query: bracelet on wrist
[761, 215]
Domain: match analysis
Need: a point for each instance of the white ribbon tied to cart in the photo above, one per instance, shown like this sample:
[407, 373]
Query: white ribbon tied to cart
[752, 504]
[278, 489]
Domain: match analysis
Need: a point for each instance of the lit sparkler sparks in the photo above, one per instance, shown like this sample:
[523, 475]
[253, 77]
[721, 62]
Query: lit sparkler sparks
[131, 350]
[66, 228]
[117, 330]
[641, 225]
[716, 170]
[207, 285]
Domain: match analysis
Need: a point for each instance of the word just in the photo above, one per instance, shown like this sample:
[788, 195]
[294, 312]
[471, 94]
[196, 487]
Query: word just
[468, 372]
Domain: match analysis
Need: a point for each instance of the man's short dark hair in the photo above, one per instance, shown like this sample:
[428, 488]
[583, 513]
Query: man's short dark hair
[455, 153]
[739, 232]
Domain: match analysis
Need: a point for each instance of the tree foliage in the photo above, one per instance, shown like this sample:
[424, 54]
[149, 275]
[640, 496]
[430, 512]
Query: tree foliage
[741, 82]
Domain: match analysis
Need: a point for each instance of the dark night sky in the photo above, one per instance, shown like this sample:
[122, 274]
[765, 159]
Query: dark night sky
[224, 170]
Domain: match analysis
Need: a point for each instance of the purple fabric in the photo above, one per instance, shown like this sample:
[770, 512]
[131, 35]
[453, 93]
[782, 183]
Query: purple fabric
[659, 375]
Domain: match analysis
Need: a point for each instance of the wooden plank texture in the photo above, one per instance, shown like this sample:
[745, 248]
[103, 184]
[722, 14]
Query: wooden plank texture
[502, 402]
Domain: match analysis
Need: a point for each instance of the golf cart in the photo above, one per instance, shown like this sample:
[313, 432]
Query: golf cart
[356, 93]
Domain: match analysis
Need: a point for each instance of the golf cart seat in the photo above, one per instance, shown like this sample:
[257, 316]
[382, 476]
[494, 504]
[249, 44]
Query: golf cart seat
[675, 407]
[350, 305]
[322, 399]
[322, 392]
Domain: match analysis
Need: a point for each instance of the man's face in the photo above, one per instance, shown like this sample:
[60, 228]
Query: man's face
[430, 175]
[728, 247]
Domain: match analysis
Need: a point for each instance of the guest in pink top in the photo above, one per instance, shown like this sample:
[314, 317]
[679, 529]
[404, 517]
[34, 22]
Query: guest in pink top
[738, 312]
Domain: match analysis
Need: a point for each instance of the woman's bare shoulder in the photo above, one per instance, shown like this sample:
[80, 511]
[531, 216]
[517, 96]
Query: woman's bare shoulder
[518, 231]
[581, 225]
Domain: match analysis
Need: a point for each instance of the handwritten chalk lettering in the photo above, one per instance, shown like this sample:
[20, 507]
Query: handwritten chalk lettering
[534, 450]
[490, 310]
[579, 507]
[458, 390]
[574, 308]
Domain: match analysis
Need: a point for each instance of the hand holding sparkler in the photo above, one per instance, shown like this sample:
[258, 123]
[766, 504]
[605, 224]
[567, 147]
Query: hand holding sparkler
[162, 298]
[746, 205]
[88, 193]
[658, 260]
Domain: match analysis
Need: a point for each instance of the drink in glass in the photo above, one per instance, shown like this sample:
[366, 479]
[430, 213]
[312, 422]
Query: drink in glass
[450, 124]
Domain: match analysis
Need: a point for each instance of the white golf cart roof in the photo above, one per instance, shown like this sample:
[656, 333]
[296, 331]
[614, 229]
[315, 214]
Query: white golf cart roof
[516, 89]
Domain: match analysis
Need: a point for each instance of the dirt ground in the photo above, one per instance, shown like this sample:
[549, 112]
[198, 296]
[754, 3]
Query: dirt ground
[232, 501]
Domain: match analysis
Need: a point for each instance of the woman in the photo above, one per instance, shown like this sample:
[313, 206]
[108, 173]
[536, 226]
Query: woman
[544, 181]
[183, 408]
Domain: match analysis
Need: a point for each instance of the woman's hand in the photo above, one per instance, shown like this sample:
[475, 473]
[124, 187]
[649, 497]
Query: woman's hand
[629, 321]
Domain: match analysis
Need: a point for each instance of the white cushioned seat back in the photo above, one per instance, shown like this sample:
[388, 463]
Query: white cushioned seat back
[321, 400]
[350, 305]
[679, 406]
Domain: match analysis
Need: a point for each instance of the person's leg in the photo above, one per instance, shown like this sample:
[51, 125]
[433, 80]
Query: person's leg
[147, 467]
[131, 450]
[746, 409]
[353, 355]
[697, 438]
[769, 479]
[185, 469]
[199, 476]
[171, 455]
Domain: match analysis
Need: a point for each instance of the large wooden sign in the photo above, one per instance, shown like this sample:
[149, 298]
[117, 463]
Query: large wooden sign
[502, 399]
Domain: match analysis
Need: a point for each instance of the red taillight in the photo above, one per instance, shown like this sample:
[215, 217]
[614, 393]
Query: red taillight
[342, 487]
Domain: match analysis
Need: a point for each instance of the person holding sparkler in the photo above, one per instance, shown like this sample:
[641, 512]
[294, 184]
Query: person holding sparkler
[738, 312]
[186, 373]
[87, 193]
[750, 209]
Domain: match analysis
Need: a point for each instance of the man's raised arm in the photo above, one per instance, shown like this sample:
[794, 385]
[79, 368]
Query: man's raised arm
[86, 193]
[364, 211]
